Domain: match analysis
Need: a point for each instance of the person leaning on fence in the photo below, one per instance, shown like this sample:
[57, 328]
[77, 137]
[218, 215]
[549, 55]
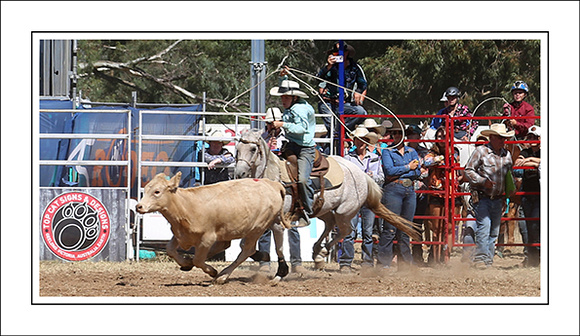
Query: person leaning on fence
[214, 155]
[354, 80]
[519, 108]
[370, 163]
[401, 167]
[487, 171]
[530, 157]
[463, 128]
[299, 125]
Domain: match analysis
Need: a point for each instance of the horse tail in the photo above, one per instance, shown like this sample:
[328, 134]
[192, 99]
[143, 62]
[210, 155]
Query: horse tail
[373, 202]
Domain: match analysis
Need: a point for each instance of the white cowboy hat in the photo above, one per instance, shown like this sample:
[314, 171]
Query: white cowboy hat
[272, 114]
[498, 129]
[444, 98]
[535, 130]
[217, 134]
[288, 88]
[371, 125]
[362, 132]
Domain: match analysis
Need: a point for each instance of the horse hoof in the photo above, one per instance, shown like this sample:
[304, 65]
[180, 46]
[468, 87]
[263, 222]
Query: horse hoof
[319, 264]
[186, 268]
[275, 281]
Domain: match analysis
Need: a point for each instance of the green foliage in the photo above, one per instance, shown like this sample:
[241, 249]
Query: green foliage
[407, 76]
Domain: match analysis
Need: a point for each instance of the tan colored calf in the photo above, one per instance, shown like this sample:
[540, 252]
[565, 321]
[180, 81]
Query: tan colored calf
[209, 217]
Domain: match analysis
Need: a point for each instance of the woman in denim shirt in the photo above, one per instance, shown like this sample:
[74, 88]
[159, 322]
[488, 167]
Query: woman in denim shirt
[401, 167]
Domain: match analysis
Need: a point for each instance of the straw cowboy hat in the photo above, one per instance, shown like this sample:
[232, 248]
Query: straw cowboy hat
[498, 129]
[272, 114]
[217, 134]
[363, 133]
[288, 88]
[372, 125]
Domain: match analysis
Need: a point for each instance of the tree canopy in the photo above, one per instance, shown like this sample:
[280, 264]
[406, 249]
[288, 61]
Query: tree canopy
[406, 76]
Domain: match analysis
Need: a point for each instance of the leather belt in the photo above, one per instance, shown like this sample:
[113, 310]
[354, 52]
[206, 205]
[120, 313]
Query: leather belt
[405, 182]
[482, 195]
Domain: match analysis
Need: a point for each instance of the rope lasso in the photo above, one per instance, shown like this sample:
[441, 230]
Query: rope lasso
[352, 91]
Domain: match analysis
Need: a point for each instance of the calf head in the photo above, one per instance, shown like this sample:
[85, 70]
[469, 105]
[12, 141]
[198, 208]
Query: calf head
[158, 193]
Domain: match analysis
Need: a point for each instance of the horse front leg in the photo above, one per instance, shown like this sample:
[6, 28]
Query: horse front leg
[278, 233]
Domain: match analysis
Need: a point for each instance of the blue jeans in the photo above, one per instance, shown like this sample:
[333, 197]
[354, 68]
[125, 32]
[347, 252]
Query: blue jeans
[402, 201]
[488, 219]
[265, 241]
[531, 205]
[305, 158]
[367, 221]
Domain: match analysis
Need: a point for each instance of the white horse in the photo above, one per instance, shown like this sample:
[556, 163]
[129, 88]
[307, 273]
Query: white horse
[254, 159]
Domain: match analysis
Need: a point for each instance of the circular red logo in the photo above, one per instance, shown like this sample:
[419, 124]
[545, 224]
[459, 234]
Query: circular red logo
[75, 226]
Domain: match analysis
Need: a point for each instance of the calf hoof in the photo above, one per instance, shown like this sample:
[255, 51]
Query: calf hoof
[220, 280]
[186, 268]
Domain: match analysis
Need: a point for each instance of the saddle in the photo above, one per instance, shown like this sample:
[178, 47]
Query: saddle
[326, 174]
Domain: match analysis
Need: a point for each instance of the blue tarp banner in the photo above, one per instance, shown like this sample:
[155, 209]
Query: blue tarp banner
[114, 149]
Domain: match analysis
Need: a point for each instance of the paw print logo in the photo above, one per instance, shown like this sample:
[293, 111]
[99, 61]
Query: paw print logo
[75, 226]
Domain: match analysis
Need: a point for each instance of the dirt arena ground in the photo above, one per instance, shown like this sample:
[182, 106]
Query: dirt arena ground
[161, 277]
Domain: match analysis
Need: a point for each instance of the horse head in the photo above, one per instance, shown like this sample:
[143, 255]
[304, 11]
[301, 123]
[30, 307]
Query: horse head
[251, 155]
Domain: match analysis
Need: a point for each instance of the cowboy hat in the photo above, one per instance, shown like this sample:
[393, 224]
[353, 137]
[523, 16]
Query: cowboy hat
[387, 124]
[288, 88]
[535, 130]
[498, 129]
[372, 125]
[217, 134]
[398, 126]
[272, 114]
[362, 133]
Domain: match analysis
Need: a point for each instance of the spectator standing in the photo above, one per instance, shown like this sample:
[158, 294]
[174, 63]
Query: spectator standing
[486, 172]
[299, 126]
[530, 157]
[401, 167]
[463, 128]
[370, 163]
[214, 155]
[414, 132]
[354, 80]
[519, 108]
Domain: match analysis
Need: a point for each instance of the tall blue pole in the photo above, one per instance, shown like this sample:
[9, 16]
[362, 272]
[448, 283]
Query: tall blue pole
[258, 73]
[341, 77]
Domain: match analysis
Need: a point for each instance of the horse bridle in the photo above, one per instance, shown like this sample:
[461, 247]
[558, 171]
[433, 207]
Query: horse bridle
[252, 162]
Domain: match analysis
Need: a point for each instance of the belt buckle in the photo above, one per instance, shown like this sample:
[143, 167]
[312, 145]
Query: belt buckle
[406, 182]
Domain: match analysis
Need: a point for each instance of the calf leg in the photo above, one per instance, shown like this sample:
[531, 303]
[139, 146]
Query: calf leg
[185, 262]
[248, 248]
[200, 257]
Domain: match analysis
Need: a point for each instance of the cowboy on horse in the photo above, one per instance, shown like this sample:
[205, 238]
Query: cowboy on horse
[299, 125]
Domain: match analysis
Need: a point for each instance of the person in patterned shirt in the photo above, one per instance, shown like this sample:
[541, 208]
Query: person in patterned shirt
[464, 128]
[486, 172]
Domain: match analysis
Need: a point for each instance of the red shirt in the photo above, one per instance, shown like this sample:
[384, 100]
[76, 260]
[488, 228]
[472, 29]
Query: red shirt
[522, 110]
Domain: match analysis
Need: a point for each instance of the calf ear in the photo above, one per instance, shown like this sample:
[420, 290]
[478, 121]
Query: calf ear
[174, 182]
